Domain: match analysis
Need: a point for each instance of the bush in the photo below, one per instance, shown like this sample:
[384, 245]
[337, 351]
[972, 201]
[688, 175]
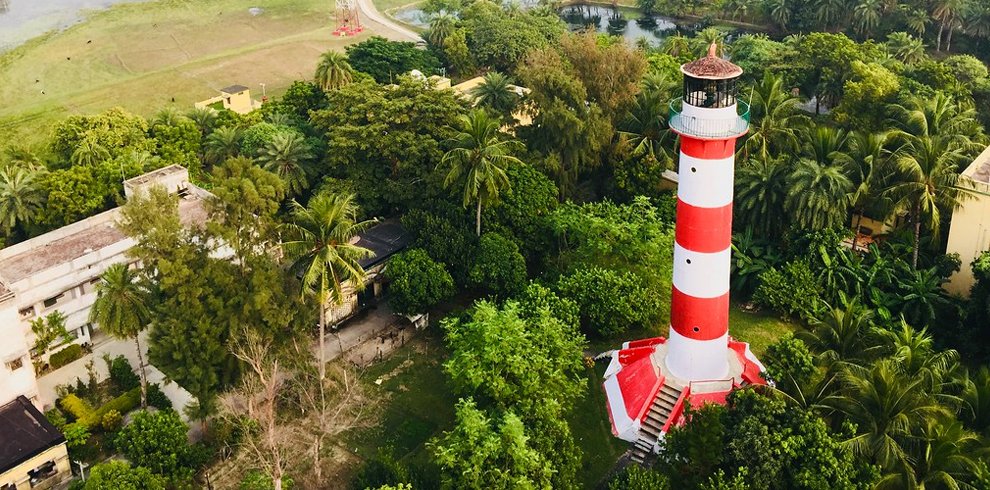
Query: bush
[445, 236]
[119, 475]
[76, 435]
[84, 414]
[77, 408]
[157, 441]
[417, 282]
[256, 480]
[122, 375]
[380, 470]
[157, 398]
[111, 421]
[499, 268]
[791, 291]
[788, 360]
[610, 302]
[65, 356]
[56, 418]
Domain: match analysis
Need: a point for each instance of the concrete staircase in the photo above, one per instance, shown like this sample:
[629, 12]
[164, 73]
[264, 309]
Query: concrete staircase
[655, 419]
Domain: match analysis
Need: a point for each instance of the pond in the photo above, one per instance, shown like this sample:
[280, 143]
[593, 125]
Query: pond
[617, 21]
[21, 20]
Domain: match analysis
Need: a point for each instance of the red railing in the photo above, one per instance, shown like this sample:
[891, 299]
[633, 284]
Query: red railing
[677, 409]
[653, 396]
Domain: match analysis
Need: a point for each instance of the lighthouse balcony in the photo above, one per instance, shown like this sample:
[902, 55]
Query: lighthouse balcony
[718, 122]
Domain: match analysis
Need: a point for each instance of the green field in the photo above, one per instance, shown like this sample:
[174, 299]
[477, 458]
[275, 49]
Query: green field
[147, 56]
[759, 329]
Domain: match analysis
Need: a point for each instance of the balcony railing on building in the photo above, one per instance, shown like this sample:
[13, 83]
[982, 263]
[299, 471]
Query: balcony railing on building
[708, 127]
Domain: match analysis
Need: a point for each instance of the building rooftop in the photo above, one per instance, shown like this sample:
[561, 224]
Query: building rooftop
[233, 89]
[712, 67]
[26, 433]
[384, 239]
[979, 170]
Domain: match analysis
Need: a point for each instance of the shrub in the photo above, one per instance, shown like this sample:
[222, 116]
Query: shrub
[122, 375]
[111, 420]
[77, 408]
[158, 442]
[84, 414]
[65, 356]
[76, 435]
[498, 268]
[119, 475]
[788, 360]
[256, 480]
[157, 398]
[610, 302]
[791, 290]
[56, 418]
[417, 282]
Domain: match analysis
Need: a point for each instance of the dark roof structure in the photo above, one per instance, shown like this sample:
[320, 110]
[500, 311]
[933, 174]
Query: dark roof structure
[384, 239]
[711, 67]
[233, 89]
[24, 433]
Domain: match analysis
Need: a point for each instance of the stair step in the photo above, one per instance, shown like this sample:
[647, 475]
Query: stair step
[670, 389]
[657, 417]
[653, 432]
[660, 410]
[656, 424]
[666, 397]
[644, 445]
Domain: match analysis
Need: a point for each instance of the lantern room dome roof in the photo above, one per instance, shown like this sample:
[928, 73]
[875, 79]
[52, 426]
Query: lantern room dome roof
[712, 67]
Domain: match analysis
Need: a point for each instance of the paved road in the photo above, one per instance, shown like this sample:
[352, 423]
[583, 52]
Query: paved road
[386, 26]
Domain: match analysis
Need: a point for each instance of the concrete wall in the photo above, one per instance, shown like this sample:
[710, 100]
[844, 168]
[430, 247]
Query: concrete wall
[19, 381]
[969, 233]
[19, 476]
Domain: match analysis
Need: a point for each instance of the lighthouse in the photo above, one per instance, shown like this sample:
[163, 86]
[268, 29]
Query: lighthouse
[649, 381]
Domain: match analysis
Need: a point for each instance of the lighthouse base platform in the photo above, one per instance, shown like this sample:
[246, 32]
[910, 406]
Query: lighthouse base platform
[645, 399]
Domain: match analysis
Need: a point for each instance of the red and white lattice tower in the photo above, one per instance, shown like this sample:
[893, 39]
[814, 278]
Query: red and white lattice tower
[348, 18]
[648, 381]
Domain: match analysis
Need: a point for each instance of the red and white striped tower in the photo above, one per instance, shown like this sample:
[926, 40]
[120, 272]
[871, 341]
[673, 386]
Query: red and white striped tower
[708, 123]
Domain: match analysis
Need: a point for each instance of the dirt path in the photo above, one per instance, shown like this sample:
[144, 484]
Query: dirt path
[370, 12]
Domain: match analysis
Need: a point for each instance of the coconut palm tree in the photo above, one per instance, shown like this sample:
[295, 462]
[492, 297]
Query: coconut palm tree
[905, 47]
[496, 93]
[89, 152]
[205, 119]
[441, 26]
[21, 198]
[760, 191]
[824, 144]
[287, 155]
[915, 19]
[843, 335]
[866, 15]
[774, 119]
[975, 398]
[333, 71]
[121, 310]
[828, 12]
[223, 143]
[868, 155]
[944, 455]
[926, 183]
[948, 14]
[818, 195]
[941, 115]
[479, 158]
[780, 12]
[168, 116]
[646, 123]
[320, 244]
[703, 40]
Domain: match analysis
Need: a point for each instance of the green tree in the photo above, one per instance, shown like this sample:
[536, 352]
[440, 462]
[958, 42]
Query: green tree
[157, 441]
[442, 25]
[774, 119]
[498, 266]
[499, 39]
[906, 48]
[242, 211]
[288, 155]
[818, 195]
[116, 131]
[385, 60]
[119, 475]
[479, 159]
[21, 198]
[868, 156]
[760, 193]
[89, 152]
[867, 15]
[121, 310]
[610, 302]
[416, 282]
[319, 244]
[843, 335]
[49, 331]
[496, 93]
[222, 144]
[333, 71]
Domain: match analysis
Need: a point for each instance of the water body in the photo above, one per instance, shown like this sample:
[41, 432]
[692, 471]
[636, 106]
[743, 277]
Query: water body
[21, 20]
[628, 23]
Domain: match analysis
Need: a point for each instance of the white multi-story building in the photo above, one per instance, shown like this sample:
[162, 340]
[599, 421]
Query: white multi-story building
[58, 271]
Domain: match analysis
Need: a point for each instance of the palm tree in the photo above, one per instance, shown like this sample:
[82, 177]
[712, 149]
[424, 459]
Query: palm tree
[222, 144]
[921, 296]
[867, 156]
[479, 157]
[441, 26]
[334, 71]
[926, 183]
[975, 398]
[888, 408]
[323, 253]
[646, 122]
[287, 155]
[867, 15]
[780, 12]
[676, 45]
[947, 13]
[818, 195]
[827, 12]
[168, 116]
[824, 144]
[915, 19]
[905, 47]
[760, 190]
[121, 310]
[944, 456]
[496, 93]
[21, 198]
[89, 152]
[774, 118]
[843, 336]
[940, 115]
[703, 40]
[205, 119]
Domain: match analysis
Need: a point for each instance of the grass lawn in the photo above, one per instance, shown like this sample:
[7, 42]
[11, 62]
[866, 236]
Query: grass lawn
[147, 56]
[593, 432]
[759, 329]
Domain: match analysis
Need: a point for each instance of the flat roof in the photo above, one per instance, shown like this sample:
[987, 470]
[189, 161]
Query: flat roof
[979, 170]
[68, 247]
[26, 433]
[155, 175]
[233, 89]
[384, 239]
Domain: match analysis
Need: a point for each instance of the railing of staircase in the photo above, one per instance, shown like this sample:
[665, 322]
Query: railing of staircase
[677, 409]
[653, 394]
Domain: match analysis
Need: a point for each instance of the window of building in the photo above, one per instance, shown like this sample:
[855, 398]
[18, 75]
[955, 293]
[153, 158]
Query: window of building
[9, 486]
[15, 364]
[26, 313]
[50, 302]
[42, 473]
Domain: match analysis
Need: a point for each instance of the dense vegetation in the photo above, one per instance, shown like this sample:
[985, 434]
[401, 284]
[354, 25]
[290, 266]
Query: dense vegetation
[558, 233]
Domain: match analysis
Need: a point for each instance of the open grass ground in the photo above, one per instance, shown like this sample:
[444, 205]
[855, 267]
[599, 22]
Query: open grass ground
[759, 329]
[148, 56]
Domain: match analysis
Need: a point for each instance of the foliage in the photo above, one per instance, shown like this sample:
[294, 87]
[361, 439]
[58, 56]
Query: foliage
[635, 477]
[498, 39]
[78, 408]
[333, 71]
[417, 282]
[65, 356]
[157, 441]
[792, 290]
[111, 420]
[498, 266]
[536, 298]
[122, 375]
[157, 398]
[49, 331]
[385, 60]
[256, 480]
[446, 236]
[119, 475]
[76, 434]
[56, 418]
[122, 309]
[21, 198]
[611, 302]
[115, 131]
[523, 210]
[789, 362]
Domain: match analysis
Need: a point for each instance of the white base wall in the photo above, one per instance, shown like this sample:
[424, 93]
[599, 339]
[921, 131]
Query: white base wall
[697, 360]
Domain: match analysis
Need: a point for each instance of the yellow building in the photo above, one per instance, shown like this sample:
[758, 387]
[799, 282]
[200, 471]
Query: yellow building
[32, 450]
[236, 98]
[969, 233]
